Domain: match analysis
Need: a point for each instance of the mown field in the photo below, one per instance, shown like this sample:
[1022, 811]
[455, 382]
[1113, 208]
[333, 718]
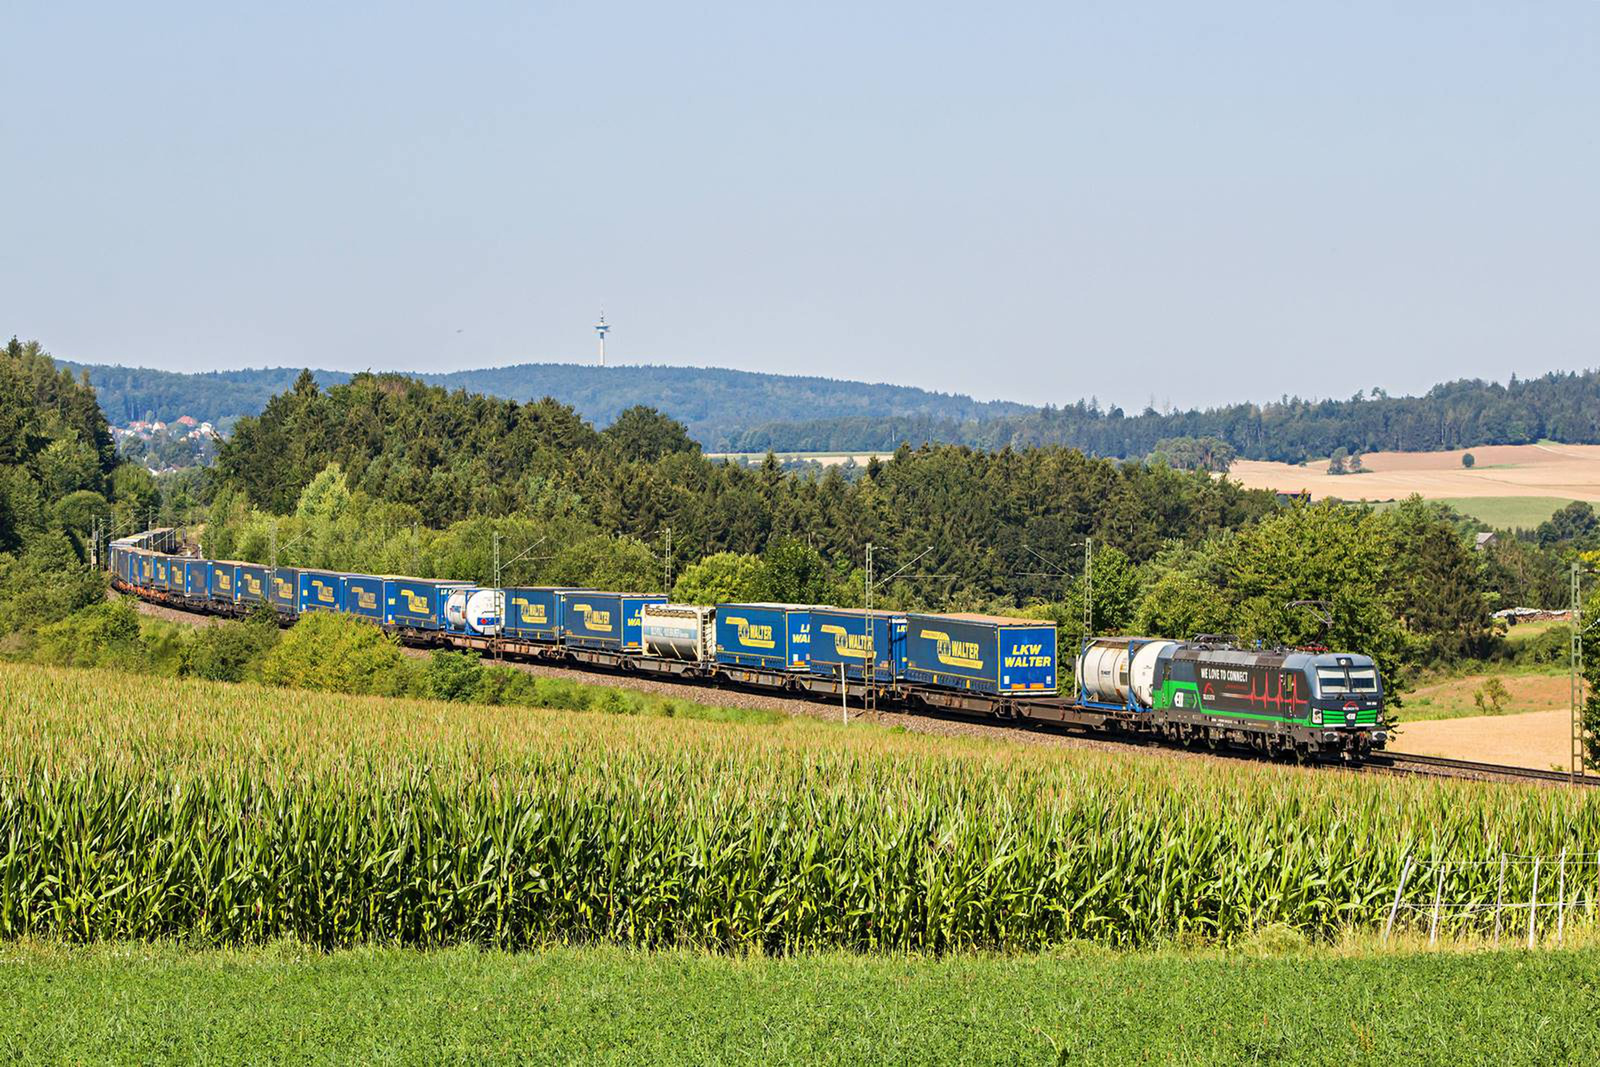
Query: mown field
[230, 815]
[283, 1004]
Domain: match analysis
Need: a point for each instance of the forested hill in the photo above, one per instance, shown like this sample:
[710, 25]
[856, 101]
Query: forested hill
[716, 405]
[217, 397]
[1463, 414]
[742, 411]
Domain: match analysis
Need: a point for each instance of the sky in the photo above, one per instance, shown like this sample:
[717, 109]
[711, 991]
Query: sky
[1177, 203]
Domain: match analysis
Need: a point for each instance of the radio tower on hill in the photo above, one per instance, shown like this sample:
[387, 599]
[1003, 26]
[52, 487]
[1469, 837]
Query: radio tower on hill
[600, 328]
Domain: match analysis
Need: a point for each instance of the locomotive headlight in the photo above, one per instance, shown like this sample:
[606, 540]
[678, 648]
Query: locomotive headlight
[1316, 716]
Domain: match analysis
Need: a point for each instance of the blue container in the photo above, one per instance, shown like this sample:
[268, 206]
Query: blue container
[195, 574]
[855, 638]
[320, 591]
[604, 620]
[774, 636]
[251, 583]
[533, 613]
[283, 591]
[220, 581]
[147, 569]
[982, 653]
[163, 569]
[416, 603]
[363, 595]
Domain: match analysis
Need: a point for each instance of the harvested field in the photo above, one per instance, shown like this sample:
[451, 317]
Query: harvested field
[1539, 739]
[1553, 471]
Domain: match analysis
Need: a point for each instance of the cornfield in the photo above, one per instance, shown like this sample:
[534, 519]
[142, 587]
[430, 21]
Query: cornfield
[233, 814]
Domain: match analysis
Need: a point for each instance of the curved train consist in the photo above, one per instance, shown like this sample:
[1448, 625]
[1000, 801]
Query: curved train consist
[1303, 703]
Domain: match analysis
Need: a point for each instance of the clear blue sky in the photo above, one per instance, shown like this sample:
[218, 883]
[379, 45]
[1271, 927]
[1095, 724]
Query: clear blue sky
[1190, 202]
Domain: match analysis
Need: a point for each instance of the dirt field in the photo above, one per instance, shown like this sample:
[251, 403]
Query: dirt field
[1570, 472]
[1539, 739]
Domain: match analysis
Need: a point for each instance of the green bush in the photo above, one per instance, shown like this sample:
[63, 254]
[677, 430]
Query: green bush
[232, 651]
[456, 676]
[340, 654]
[101, 635]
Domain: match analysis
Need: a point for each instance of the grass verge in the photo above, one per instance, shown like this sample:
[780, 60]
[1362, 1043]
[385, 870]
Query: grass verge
[281, 1004]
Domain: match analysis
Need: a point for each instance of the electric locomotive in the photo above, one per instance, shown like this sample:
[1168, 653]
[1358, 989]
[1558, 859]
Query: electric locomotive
[1289, 701]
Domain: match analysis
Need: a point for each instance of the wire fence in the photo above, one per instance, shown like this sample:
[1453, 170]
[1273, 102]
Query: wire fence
[1518, 898]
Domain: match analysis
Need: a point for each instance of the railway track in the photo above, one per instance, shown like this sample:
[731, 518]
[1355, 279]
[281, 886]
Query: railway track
[1395, 763]
[1411, 764]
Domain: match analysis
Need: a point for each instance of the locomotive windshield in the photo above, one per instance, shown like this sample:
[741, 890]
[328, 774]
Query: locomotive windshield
[1337, 680]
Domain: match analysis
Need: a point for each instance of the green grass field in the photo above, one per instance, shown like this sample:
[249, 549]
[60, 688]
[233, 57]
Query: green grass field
[280, 1004]
[1508, 512]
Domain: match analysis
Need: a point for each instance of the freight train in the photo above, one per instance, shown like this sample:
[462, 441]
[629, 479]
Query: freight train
[1309, 704]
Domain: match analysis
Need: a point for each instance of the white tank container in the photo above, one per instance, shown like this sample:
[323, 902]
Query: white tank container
[678, 631]
[1103, 670]
[477, 611]
[1142, 670]
[1108, 673]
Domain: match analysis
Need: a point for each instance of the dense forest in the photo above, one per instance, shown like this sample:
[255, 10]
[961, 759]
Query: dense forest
[715, 404]
[388, 475]
[1463, 414]
[739, 411]
[60, 483]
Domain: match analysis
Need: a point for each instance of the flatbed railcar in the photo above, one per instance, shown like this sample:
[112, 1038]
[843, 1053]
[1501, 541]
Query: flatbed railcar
[1281, 702]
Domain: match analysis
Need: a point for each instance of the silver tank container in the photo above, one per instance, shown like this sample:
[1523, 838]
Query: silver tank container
[679, 631]
[1111, 669]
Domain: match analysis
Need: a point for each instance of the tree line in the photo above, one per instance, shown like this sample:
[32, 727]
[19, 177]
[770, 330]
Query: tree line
[60, 482]
[386, 474]
[1462, 414]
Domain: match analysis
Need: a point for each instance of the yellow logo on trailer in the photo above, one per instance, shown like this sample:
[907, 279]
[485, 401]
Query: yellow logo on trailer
[752, 635]
[415, 605]
[593, 618]
[531, 612]
[964, 654]
[847, 645]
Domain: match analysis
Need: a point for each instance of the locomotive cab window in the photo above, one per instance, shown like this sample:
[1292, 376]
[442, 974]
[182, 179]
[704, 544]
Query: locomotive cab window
[1364, 679]
[1332, 681]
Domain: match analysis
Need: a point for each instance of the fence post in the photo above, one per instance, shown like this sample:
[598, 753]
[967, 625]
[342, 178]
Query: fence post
[1405, 872]
[1533, 900]
[1499, 897]
[1561, 899]
[1438, 890]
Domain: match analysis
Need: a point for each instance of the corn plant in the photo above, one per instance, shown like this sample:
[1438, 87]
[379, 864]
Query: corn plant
[235, 814]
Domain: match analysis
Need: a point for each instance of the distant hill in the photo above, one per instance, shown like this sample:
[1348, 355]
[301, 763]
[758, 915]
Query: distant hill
[743, 411]
[218, 397]
[1462, 414]
[718, 406]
